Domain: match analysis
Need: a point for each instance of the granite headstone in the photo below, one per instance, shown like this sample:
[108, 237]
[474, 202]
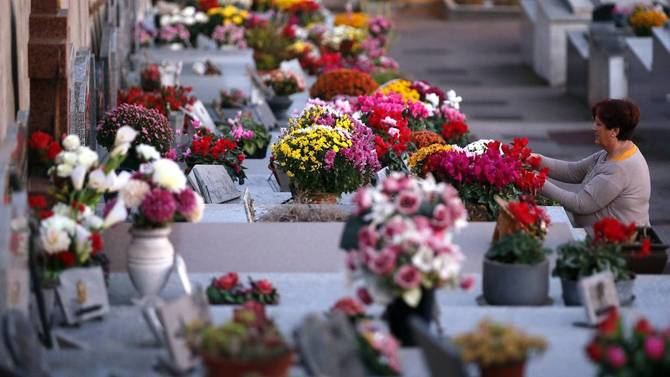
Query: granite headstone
[213, 183]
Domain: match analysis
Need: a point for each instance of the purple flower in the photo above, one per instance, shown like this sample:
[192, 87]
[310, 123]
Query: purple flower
[330, 159]
[159, 206]
[186, 202]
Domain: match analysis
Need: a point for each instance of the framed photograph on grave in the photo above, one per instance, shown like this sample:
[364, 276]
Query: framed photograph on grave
[82, 294]
[599, 296]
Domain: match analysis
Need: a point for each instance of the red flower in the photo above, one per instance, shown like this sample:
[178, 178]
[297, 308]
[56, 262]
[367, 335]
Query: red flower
[364, 296]
[454, 130]
[40, 140]
[96, 242]
[643, 327]
[201, 146]
[645, 250]
[53, 151]
[349, 306]
[611, 323]
[467, 283]
[264, 287]
[227, 282]
[66, 258]
[37, 201]
[610, 231]
[522, 213]
[240, 157]
[46, 214]
[594, 352]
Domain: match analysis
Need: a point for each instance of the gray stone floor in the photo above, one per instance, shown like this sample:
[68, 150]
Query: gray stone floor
[503, 98]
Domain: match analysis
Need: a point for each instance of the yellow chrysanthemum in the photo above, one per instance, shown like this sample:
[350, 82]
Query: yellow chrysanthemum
[401, 87]
[423, 153]
[357, 19]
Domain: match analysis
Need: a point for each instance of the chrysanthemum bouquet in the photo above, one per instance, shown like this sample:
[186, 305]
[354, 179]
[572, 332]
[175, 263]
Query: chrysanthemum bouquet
[157, 195]
[326, 151]
[228, 15]
[645, 17]
[399, 237]
[70, 231]
[342, 82]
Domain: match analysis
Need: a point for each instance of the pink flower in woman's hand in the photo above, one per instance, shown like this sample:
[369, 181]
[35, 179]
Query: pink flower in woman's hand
[616, 356]
[407, 277]
[408, 202]
[654, 347]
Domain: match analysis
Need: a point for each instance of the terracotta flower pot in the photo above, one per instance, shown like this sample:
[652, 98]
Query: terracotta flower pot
[515, 369]
[220, 367]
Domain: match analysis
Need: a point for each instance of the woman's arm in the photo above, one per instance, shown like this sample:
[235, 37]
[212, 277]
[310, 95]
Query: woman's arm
[569, 171]
[594, 196]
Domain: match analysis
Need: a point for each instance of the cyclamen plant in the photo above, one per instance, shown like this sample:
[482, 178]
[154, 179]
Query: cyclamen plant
[208, 149]
[157, 194]
[177, 33]
[230, 35]
[399, 238]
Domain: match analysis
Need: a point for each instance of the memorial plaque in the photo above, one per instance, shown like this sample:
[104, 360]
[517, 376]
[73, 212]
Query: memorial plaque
[82, 294]
[80, 103]
[599, 296]
[264, 115]
[257, 81]
[174, 317]
[213, 183]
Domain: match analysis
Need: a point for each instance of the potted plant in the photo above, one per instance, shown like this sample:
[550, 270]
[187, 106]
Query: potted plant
[499, 350]
[248, 344]
[283, 84]
[646, 253]
[156, 196]
[601, 252]
[229, 36]
[399, 243]
[342, 82]
[233, 99]
[325, 153]
[516, 271]
[209, 149]
[619, 350]
[252, 136]
[70, 232]
[269, 45]
[152, 129]
[644, 17]
[229, 290]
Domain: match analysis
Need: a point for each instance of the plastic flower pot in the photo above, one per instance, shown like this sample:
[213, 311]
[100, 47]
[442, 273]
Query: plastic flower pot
[398, 313]
[515, 284]
[515, 369]
[651, 264]
[220, 367]
[259, 154]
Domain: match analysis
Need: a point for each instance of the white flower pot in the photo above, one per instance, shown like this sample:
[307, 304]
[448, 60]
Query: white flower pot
[150, 259]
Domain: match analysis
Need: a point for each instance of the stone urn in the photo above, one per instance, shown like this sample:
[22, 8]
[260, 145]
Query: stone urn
[515, 284]
[150, 259]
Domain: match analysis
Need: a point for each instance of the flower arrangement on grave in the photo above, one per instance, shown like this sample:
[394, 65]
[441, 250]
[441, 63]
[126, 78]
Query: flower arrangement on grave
[357, 20]
[455, 132]
[401, 87]
[486, 169]
[619, 350]
[252, 136]
[304, 13]
[398, 241]
[43, 148]
[165, 100]
[425, 138]
[343, 39]
[70, 231]
[229, 290]
[342, 82]
[520, 247]
[498, 348]
[417, 159]
[152, 129]
[326, 151]
[284, 82]
[209, 149]
[228, 15]
[233, 98]
[175, 33]
[229, 35]
[644, 17]
[379, 27]
[352, 308]
[522, 215]
[269, 44]
[150, 78]
[379, 350]
[249, 344]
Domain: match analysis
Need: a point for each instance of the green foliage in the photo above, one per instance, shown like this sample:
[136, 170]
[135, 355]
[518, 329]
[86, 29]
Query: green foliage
[517, 248]
[269, 45]
[579, 259]
[382, 76]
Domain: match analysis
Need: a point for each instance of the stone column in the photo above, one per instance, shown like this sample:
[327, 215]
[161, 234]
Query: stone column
[49, 55]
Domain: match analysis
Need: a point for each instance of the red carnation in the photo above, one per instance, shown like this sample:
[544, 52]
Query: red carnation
[96, 242]
[37, 201]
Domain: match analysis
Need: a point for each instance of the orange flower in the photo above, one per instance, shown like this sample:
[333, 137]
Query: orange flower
[426, 138]
[342, 81]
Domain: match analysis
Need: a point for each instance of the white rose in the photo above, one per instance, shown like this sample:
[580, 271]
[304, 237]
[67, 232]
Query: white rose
[54, 240]
[77, 177]
[60, 221]
[147, 152]
[168, 175]
[196, 215]
[67, 158]
[97, 180]
[87, 157]
[125, 135]
[64, 170]
[71, 143]
[120, 150]
[133, 192]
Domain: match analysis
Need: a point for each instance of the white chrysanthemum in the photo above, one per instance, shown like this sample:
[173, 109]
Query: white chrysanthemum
[64, 170]
[86, 157]
[71, 143]
[133, 192]
[168, 175]
[125, 135]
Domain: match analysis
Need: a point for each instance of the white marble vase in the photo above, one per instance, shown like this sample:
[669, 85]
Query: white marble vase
[150, 259]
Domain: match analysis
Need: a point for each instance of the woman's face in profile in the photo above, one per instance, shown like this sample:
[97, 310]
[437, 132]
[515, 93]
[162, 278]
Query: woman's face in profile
[602, 134]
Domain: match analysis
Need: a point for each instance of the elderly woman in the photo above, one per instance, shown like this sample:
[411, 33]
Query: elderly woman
[615, 181]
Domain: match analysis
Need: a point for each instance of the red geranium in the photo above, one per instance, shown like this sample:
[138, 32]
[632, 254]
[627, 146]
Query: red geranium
[611, 231]
[227, 281]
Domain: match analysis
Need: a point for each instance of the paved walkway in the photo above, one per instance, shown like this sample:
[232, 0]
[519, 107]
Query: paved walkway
[503, 98]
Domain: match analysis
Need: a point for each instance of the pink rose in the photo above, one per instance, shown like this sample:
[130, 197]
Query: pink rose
[382, 263]
[442, 216]
[654, 346]
[407, 277]
[616, 357]
[367, 236]
[408, 202]
[422, 223]
[394, 227]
